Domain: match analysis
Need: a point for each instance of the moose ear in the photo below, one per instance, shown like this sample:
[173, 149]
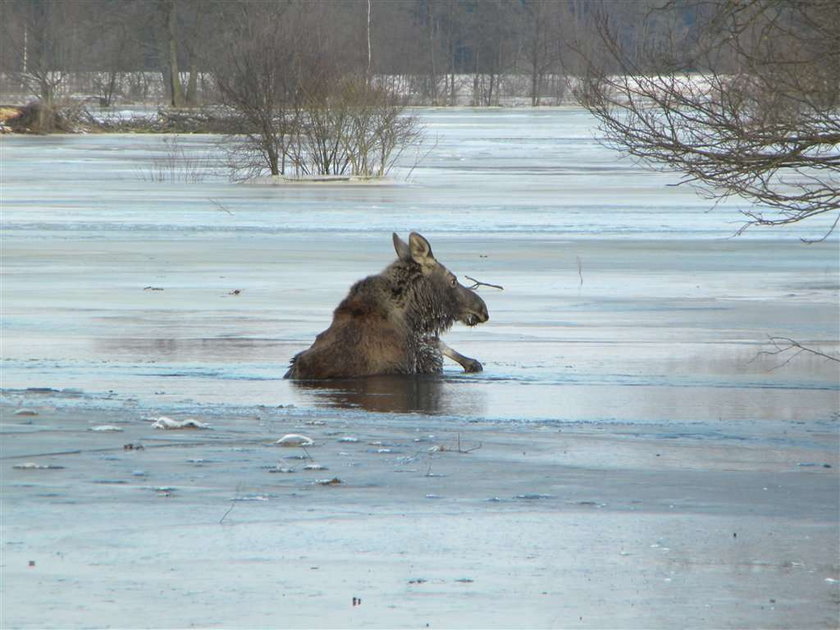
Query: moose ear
[421, 251]
[403, 250]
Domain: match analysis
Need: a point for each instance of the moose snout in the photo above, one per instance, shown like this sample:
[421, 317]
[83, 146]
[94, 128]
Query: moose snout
[476, 311]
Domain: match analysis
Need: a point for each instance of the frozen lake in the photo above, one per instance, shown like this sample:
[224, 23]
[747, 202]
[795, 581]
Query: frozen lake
[626, 298]
[628, 458]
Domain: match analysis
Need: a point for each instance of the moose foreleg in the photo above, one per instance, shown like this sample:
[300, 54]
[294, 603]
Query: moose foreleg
[469, 365]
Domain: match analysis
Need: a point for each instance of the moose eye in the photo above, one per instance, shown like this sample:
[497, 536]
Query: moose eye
[453, 281]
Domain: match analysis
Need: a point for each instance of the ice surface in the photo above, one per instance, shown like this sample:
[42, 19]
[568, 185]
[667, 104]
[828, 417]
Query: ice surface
[625, 297]
[631, 455]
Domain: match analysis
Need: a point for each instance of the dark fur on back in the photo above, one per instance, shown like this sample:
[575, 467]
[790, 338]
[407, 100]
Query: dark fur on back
[390, 323]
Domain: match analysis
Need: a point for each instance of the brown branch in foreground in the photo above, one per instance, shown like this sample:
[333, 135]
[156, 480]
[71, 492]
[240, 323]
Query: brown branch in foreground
[479, 283]
[784, 345]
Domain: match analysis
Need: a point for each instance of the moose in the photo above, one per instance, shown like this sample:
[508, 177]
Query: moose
[390, 323]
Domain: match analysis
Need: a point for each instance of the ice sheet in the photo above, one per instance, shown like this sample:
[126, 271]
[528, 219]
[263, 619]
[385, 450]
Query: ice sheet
[631, 456]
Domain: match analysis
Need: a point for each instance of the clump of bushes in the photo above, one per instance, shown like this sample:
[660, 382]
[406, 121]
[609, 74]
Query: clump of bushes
[40, 118]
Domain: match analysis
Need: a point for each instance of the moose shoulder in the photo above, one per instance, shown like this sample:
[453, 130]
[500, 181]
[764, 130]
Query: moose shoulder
[391, 323]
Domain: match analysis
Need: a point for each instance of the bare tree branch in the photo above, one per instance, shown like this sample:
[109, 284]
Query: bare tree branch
[790, 349]
[744, 103]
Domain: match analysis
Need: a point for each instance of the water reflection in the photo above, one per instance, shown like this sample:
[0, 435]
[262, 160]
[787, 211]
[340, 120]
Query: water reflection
[393, 394]
[199, 349]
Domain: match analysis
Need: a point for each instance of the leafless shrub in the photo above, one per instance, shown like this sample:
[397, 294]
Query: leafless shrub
[298, 111]
[177, 163]
[353, 128]
[64, 116]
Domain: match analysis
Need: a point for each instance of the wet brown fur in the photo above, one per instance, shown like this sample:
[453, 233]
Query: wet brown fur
[389, 323]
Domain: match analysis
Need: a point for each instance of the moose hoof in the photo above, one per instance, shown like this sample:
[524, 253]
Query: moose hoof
[472, 366]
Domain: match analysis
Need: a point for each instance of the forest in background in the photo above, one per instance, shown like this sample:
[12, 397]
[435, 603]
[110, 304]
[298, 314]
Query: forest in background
[432, 52]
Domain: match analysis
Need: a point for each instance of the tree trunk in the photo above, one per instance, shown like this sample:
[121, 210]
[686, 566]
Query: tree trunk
[192, 86]
[369, 55]
[174, 79]
[432, 68]
[536, 61]
[45, 113]
[273, 161]
[535, 83]
[111, 88]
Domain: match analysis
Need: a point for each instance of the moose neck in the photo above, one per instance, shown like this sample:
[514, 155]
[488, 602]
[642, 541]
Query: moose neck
[428, 311]
[426, 307]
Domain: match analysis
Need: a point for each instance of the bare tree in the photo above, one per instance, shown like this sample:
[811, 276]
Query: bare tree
[741, 97]
[544, 20]
[351, 127]
[183, 35]
[256, 72]
[44, 51]
[115, 53]
[494, 41]
[302, 105]
[46, 44]
[380, 129]
[172, 76]
[427, 21]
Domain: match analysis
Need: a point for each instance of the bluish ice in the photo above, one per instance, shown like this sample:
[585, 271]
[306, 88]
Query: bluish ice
[626, 298]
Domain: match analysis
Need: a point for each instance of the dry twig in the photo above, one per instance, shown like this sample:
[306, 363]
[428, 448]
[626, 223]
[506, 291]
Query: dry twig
[441, 448]
[784, 345]
[479, 283]
[232, 504]
[221, 206]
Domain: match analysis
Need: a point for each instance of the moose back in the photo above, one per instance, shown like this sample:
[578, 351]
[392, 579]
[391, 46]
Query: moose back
[391, 323]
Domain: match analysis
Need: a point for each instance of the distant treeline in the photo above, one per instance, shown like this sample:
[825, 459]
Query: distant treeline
[439, 52]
